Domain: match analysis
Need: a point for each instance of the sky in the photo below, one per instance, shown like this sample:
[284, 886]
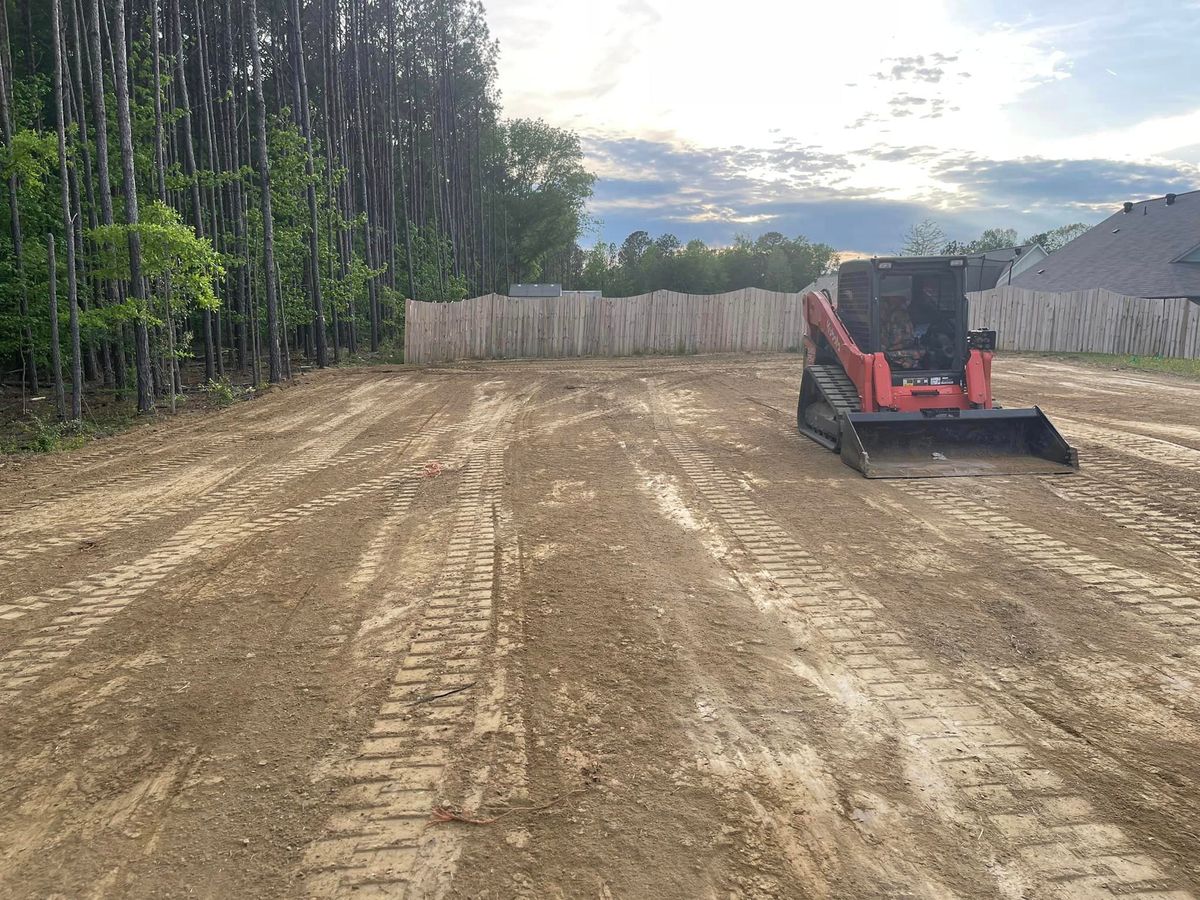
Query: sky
[849, 121]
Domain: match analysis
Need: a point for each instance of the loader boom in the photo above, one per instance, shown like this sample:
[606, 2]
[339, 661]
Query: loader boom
[859, 366]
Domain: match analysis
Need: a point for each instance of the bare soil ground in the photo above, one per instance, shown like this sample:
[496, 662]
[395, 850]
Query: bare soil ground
[600, 629]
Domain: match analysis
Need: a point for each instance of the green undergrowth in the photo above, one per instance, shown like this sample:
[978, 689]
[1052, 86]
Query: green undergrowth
[36, 433]
[28, 430]
[220, 393]
[389, 354]
[1185, 368]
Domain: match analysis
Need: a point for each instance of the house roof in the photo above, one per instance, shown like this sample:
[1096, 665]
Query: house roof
[986, 270]
[1131, 253]
[823, 282]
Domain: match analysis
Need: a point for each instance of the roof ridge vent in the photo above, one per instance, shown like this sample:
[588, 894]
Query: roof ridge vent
[1128, 207]
[1170, 199]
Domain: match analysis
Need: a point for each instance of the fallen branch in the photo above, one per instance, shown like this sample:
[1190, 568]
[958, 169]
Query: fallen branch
[429, 698]
[445, 814]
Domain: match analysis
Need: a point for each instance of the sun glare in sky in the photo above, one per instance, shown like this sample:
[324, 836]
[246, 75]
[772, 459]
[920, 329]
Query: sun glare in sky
[707, 119]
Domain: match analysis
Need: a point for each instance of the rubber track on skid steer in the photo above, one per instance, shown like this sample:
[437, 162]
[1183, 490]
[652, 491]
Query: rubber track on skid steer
[837, 388]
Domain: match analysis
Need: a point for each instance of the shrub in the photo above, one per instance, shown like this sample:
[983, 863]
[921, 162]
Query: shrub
[219, 392]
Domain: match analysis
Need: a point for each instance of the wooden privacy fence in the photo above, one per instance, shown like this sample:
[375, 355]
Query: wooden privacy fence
[664, 322]
[749, 320]
[1095, 321]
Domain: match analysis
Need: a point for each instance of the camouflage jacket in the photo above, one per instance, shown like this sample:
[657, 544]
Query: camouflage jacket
[898, 339]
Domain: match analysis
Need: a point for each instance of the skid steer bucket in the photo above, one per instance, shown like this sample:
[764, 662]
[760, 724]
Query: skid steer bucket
[960, 442]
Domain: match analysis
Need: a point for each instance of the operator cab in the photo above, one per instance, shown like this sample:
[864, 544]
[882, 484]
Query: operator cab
[912, 310]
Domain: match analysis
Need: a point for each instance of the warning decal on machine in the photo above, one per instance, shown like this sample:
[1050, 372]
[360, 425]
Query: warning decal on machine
[929, 380]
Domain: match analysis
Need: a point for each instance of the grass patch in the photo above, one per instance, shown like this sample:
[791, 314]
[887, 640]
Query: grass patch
[1185, 368]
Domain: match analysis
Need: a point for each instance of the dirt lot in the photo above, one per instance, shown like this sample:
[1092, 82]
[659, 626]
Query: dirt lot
[619, 615]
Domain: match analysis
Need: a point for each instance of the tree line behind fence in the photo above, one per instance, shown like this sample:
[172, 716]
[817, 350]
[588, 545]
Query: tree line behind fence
[755, 320]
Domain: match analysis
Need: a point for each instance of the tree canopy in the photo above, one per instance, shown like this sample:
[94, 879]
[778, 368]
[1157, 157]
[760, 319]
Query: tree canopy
[927, 238]
[642, 264]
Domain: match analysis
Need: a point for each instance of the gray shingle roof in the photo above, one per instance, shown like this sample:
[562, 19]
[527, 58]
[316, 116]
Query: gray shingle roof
[1129, 253]
[823, 282]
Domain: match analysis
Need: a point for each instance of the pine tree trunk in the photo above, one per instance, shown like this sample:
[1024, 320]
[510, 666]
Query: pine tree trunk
[95, 369]
[114, 352]
[28, 360]
[160, 161]
[327, 122]
[60, 399]
[314, 246]
[237, 197]
[160, 174]
[89, 359]
[72, 284]
[189, 170]
[264, 170]
[360, 131]
[209, 134]
[137, 287]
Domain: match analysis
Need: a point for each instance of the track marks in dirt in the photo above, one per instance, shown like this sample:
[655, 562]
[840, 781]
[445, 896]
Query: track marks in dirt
[100, 598]
[227, 452]
[1165, 492]
[228, 505]
[76, 496]
[381, 842]
[1172, 609]
[1152, 449]
[1054, 842]
[1171, 531]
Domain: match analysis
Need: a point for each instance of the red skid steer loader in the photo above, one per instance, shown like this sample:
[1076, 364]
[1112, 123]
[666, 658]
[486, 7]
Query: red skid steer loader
[895, 383]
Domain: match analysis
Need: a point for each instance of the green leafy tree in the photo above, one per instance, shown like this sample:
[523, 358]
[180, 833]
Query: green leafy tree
[546, 189]
[171, 253]
[632, 249]
[429, 249]
[598, 265]
[991, 239]
[697, 269]
[418, 184]
[643, 264]
[779, 271]
[31, 161]
[1057, 238]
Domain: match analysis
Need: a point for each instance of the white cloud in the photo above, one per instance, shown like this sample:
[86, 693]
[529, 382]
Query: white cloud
[734, 73]
[849, 81]
[1153, 137]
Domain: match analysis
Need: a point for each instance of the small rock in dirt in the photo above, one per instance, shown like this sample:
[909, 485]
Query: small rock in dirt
[518, 838]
